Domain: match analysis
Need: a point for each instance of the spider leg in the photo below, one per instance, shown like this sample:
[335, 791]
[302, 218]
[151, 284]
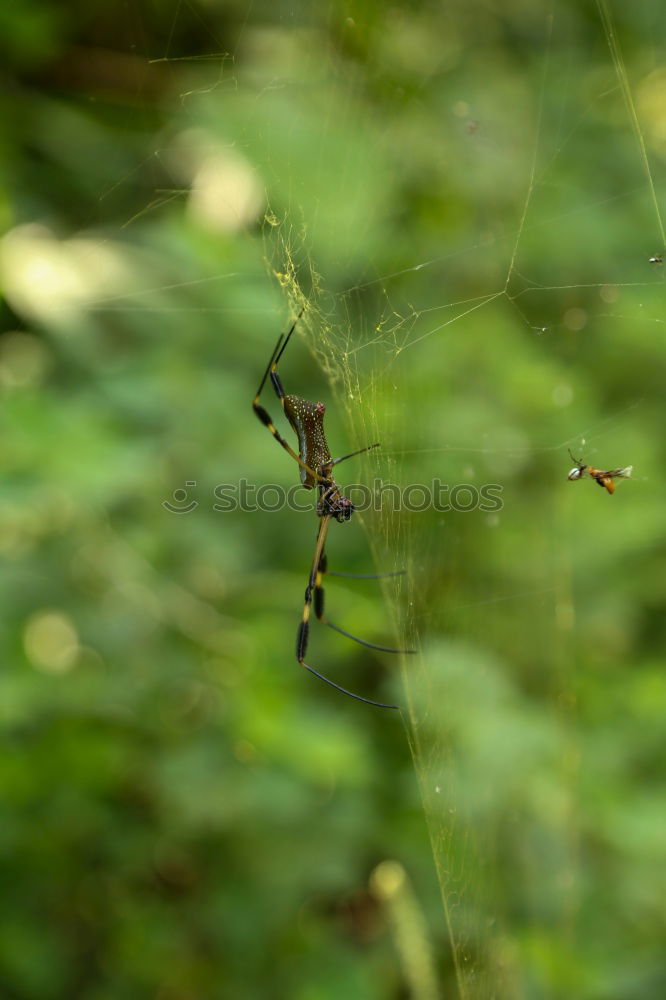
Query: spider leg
[264, 415]
[324, 570]
[351, 454]
[319, 610]
[304, 627]
[277, 354]
[365, 576]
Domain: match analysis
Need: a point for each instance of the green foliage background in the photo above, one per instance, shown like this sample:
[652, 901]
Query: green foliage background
[458, 192]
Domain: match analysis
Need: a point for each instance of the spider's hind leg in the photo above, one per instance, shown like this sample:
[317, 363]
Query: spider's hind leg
[319, 601]
[314, 587]
[324, 570]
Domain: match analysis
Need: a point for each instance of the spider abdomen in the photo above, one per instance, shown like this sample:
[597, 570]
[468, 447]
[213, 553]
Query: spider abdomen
[307, 420]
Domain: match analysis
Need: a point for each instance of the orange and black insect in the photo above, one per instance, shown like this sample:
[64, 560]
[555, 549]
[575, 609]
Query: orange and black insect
[604, 478]
[316, 468]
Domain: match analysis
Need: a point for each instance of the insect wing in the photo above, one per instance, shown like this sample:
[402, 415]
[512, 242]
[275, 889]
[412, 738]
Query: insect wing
[620, 473]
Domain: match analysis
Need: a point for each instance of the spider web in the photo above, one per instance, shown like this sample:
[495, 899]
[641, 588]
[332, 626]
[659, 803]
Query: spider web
[502, 785]
[515, 761]
[527, 255]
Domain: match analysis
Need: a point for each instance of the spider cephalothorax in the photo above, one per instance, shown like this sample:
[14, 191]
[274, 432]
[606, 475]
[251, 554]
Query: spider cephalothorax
[333, 503]
[316, 468]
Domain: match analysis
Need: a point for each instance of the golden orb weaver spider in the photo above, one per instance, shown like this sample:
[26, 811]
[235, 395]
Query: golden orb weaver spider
[316, 468]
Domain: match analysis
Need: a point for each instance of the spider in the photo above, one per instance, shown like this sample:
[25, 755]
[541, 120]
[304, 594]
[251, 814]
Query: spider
[604, 479]
[316, 469]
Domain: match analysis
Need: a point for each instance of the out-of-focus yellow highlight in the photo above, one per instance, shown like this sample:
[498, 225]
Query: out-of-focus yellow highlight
[391, 885]
[51, 642]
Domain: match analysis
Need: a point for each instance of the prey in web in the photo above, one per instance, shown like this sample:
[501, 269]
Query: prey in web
[604, 478]
[316, 470]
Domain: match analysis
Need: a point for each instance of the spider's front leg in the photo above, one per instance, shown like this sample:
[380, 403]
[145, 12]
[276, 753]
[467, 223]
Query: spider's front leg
[263, 414]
